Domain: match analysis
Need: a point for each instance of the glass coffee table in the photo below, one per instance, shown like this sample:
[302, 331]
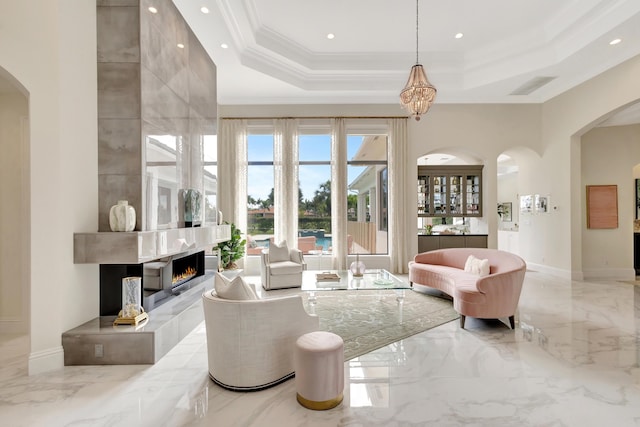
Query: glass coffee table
[342, 280]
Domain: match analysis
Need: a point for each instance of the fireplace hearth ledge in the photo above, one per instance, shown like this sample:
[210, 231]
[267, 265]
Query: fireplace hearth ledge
[136, 247]
[99, 342]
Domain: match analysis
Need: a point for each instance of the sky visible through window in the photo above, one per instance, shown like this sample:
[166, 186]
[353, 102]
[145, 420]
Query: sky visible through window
[314, 148]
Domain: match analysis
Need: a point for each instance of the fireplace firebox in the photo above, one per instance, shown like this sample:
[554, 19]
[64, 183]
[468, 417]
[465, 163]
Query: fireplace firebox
[161, 279]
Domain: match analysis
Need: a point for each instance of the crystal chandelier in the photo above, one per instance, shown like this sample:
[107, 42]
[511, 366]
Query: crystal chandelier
[418, 94]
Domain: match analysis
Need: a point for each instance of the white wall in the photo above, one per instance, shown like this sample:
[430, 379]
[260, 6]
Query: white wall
[482, 131]
[508, 192]
[49, 46]
[565, 118]
[14, 286]
[609, 155]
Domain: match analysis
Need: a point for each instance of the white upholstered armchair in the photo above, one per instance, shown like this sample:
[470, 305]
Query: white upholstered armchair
[281, 267]
[250, 343]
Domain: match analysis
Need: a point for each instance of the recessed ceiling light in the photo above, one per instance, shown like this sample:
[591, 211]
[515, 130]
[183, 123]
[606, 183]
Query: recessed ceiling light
[153, 9]
[180, 45]
[204, 9]
[330, 36]
[459, 35]
[224, 46]
[615, 41]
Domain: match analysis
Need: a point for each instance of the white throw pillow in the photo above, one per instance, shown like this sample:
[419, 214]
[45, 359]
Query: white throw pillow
[477, 266]
[235, 288]
[469, 263]
[279, 252]
[483, 267]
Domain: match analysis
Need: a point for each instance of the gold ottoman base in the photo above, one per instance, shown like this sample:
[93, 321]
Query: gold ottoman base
[320, 406]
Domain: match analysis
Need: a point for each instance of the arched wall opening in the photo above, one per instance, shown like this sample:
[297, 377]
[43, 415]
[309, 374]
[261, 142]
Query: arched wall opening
[451, 156]
[14, 220]
[518, 170]
[609, 155]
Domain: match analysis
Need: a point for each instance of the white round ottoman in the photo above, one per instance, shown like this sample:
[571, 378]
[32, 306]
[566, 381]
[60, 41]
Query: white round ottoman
[319, 366]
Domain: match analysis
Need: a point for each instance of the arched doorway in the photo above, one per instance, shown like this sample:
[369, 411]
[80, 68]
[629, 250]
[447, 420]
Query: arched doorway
[508, 212]
[14, 226]
[609, 155]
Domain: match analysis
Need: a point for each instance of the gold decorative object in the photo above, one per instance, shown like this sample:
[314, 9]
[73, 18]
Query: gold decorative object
[130, 320]
[132, 312]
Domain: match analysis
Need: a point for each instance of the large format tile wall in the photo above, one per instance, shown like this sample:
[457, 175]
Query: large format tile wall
[148, 87]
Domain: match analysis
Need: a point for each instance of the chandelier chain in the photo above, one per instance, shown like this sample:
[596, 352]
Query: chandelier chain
[417, 29]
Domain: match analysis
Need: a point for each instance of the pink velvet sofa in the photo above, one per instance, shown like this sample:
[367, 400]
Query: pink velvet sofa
[489, 297]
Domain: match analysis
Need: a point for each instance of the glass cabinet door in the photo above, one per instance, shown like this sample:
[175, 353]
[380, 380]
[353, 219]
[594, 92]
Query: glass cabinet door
[455, 194]
[424, 202]
[440, 195]
[473, 194]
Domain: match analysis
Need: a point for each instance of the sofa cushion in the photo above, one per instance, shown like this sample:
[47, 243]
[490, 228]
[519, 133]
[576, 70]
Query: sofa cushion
[235, 289]
[285, 267]
[477, 266]
[279, 252]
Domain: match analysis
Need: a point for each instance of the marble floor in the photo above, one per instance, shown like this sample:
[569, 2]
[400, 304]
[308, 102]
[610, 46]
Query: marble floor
[573, 360]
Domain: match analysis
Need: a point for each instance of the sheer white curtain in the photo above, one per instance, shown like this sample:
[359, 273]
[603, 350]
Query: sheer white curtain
[232, 172]
[286, 180]
[338, 196]
[397, 161]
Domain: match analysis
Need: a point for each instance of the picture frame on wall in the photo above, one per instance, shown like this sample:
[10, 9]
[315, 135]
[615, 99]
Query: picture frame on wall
[602, 206]
[541, 203]
[526, 203]
[504, 211]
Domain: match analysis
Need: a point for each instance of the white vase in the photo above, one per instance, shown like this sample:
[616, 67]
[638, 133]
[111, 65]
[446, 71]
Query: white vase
[122, 217]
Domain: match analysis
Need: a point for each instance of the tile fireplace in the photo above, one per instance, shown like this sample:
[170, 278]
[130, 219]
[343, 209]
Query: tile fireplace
[171, 264]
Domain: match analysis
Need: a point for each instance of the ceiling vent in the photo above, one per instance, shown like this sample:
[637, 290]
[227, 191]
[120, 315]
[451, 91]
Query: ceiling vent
[532, 85]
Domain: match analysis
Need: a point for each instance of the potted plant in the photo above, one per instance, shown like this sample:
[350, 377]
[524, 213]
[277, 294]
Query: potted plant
[231, 250]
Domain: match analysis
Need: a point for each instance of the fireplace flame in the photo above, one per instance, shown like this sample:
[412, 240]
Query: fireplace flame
[184, 276]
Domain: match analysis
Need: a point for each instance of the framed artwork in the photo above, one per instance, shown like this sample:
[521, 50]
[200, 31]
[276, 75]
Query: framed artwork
[541, 203]
[504, 211]
[526, 203]
[602, 206]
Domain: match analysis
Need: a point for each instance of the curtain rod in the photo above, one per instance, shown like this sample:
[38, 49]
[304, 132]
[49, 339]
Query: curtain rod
[316, 117]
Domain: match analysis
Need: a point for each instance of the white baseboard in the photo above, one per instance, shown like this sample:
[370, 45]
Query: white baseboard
[585, 274]
[610, 273]
[46, 360]
[13, 326]
[554, 271]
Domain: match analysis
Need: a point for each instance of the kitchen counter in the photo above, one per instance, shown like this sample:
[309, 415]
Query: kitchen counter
[430, 242]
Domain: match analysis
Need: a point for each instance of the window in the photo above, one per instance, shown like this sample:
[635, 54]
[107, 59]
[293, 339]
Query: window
[367, 194]
[260, 206]
[314, 201]
[383, 185]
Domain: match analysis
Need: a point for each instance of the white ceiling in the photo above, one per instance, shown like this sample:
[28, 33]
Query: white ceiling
[279, 53]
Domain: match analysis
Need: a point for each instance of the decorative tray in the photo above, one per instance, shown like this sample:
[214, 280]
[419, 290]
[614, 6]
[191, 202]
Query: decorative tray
[383, 282]
[327, 277]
